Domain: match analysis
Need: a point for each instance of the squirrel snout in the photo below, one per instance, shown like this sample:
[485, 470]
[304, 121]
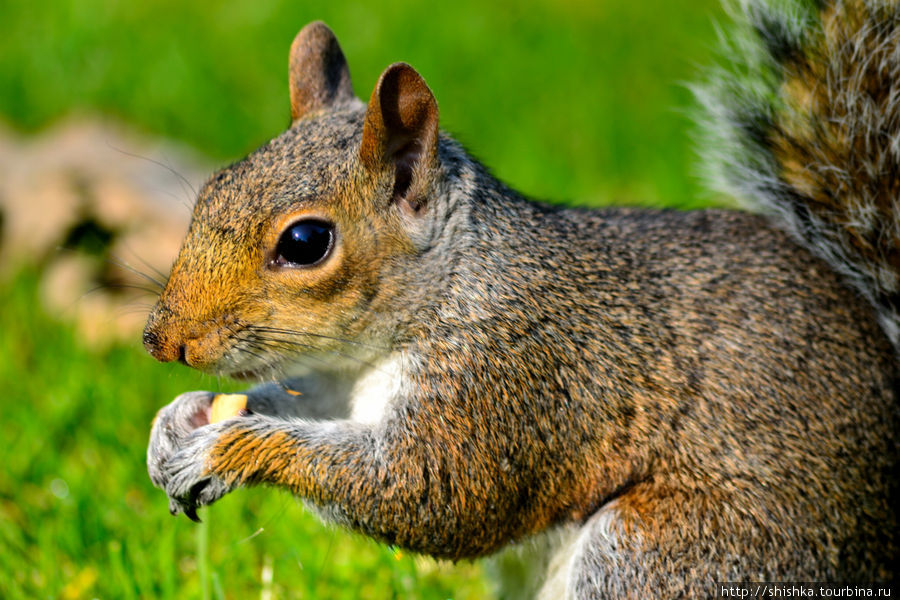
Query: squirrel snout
[163, 348]
[199, 344]
[163, 338]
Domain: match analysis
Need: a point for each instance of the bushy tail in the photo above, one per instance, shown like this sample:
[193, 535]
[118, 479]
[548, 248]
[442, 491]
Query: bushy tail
[804, 124]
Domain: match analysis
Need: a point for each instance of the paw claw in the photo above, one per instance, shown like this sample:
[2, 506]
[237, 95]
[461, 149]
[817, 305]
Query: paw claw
[191, 513]
[194, 494]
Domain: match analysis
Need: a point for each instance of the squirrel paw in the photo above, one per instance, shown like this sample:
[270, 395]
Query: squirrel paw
[186, 476]
[171, 427]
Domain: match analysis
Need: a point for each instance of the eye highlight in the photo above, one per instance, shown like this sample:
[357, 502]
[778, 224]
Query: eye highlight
[304, 243]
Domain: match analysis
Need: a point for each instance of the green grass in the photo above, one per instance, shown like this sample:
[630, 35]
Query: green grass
[578, 101]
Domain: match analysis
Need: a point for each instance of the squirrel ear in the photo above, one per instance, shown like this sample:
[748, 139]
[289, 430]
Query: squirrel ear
[401, 127]
[319, 76]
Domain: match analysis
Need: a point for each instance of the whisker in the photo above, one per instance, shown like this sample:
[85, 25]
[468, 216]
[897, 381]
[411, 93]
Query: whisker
[306, 359]
[157, 163]
[135, 311]
[275, 342]
[145, 305]
[102, 287]
[122, 264]
[267, 371]
[160, 285]
[261, 357]
[163, 278]
[268, 344]
[318, 335]
[128, 286]
[167, 164]
[296, 344]
[240, 346]
[262, 344]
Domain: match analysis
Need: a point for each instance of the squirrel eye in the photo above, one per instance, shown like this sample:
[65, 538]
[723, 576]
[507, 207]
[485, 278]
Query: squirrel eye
[304, 243]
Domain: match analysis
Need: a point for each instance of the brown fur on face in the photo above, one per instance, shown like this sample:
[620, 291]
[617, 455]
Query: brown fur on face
[218, 308]
[249, 316]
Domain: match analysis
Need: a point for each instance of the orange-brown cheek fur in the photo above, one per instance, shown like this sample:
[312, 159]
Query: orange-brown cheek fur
[204, 299]
[206, 349]
[333, 298]
[202, 285]
[323, 308]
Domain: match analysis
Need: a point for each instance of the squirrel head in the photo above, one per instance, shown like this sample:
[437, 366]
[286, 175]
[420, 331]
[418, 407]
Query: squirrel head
[294, 252]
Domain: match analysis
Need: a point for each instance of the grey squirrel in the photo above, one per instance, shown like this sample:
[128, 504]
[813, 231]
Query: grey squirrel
[682, 397]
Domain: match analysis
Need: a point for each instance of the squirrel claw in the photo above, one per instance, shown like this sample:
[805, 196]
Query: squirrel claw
[185, 477]
[191, 513]
[176, 507]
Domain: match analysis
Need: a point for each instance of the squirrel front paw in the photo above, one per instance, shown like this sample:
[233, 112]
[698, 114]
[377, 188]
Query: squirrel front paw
[189, 481]
[178, 452]
[171, 427]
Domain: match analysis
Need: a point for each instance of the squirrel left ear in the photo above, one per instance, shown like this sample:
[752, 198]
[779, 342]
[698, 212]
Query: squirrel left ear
[319, 75]
[401, 129]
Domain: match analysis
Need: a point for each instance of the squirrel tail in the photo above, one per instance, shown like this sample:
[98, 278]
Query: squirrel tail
[803, 123]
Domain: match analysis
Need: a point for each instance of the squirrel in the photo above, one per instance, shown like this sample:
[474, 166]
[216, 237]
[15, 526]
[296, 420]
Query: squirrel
[678, 398]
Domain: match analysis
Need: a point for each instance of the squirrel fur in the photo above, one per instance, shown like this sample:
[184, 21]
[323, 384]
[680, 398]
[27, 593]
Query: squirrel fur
[695, 397]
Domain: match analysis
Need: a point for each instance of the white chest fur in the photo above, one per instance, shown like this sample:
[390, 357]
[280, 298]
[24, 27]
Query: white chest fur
[376, 389]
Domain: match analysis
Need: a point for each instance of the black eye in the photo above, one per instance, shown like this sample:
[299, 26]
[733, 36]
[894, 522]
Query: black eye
[304, 243]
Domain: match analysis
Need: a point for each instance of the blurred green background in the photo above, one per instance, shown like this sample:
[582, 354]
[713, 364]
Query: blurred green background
[567, 100]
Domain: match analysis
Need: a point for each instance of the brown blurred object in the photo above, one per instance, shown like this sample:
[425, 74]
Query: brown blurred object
[86, 202]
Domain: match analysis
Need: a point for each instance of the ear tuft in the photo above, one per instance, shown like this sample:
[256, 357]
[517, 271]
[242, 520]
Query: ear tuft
[319, 75]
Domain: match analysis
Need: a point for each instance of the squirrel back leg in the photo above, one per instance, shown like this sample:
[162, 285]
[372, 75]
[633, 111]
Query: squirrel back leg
[661, 542]
[651, 542]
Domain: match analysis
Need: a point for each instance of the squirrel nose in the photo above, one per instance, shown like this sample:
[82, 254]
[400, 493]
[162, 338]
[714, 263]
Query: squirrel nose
[161, 348]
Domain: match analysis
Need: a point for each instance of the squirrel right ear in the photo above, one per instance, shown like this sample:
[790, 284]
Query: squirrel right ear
[401, 130]
[319, 75]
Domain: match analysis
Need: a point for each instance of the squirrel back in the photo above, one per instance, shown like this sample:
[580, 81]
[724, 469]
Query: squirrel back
[803, 124]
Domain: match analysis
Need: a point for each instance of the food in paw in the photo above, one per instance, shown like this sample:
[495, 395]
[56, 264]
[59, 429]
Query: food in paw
[225, 406]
